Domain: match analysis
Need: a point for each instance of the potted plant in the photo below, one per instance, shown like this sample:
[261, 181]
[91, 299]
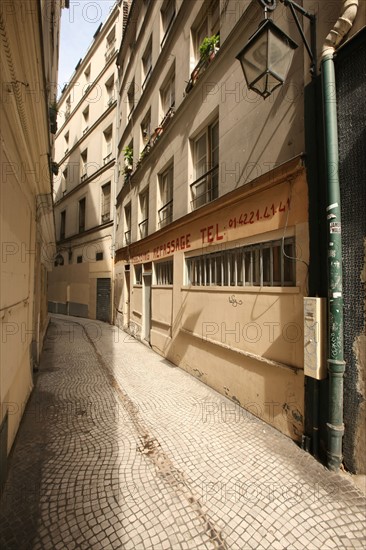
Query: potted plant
[209, 46]
[128, 156]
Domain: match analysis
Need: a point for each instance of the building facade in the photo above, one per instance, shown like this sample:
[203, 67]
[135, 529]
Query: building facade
[80, 283]
[214, 253]
[28, 95]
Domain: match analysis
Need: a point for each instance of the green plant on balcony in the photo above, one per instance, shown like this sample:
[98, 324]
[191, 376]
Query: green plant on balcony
[128, 159]
[209, 46]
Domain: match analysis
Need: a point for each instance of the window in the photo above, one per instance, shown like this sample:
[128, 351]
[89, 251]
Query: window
[206, 167]
[109, 86]
[86, 119]
[209, 26]
[146, 128]
[166, 197]
[87, 79]
[98, 256]
[68, 108]
[79, 259]
[214, 18]
[138, 274]
[110, 45]
[144, 213]
[147, 64]
[199, 35]
[106, 202]
[167, 18]
[264, 264]
[67, 137]
[108, 154]
[164, 273]
[167, 94]
[131, 98]
[63, 225]
[64, 181]
[82, 204]
[128, 224]
[128, 161]
[84, 164]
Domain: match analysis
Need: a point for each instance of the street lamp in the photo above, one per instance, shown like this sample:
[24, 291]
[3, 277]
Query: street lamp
[267, 57]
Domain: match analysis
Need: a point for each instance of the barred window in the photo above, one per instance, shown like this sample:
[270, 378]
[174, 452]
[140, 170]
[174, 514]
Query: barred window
[264, 264]
[164, 273]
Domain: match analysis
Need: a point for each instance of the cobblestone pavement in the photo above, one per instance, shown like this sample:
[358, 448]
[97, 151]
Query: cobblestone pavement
[120, 449]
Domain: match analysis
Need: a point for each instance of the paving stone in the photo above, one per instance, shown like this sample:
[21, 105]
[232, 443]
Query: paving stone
[119, 450]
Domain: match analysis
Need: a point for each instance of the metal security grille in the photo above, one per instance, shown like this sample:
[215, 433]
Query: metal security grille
[351, 97]
[103, 299]
[265, 264]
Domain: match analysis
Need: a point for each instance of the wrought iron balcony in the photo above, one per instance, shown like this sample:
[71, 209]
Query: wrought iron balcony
[166, 214]
[199, 69]
[143, 226]
[205, 189]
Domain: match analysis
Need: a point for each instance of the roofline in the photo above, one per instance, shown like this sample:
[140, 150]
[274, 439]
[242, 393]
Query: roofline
[98, 35]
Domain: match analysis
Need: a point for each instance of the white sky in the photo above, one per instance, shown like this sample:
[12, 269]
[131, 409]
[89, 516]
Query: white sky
[78, 25]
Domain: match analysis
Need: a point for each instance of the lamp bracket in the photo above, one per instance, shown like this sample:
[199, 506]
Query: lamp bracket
[268, 4]
[310, 48]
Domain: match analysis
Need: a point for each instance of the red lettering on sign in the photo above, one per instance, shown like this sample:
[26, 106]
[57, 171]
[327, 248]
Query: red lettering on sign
[210, 234]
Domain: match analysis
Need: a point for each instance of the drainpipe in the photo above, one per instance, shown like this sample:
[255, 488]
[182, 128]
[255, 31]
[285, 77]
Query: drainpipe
[336, 363]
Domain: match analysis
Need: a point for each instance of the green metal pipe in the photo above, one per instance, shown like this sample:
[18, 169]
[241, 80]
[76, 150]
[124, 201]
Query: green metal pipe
[336, 363]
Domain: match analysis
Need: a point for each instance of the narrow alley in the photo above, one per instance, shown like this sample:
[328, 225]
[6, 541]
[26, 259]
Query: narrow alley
[119, 449]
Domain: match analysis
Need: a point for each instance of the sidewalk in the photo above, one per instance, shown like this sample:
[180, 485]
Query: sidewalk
[120, 449]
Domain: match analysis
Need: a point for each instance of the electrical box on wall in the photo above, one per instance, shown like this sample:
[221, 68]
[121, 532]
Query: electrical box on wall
[315, 341]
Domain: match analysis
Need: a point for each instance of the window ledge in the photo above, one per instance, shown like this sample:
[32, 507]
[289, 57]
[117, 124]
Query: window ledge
[245, 289]
[260, 358]
[168, 287]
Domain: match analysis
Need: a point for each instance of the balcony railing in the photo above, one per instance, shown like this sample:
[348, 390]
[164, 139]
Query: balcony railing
[166, 214]
[205, 189]
[200, 68]
[143, 228]
[84, 176]
[155, 135]
[127, 237]
[106, 217]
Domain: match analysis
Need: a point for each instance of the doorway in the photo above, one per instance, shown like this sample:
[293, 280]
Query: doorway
[146, 321]
[104, 300]
[126, 320]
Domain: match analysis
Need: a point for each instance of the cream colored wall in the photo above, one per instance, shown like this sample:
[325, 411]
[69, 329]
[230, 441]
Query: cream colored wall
[246, 149]
[75, 282]
[249, 348]
[27, 229]
[272, 394]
